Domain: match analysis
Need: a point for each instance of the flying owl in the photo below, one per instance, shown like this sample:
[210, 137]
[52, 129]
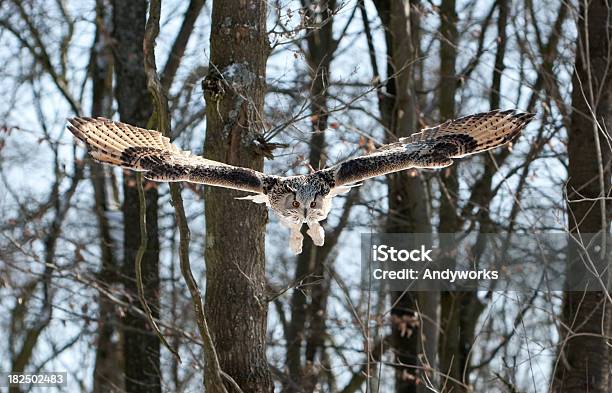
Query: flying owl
[296, 199]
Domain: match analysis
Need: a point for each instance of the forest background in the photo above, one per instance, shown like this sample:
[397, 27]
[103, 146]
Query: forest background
[340, 78]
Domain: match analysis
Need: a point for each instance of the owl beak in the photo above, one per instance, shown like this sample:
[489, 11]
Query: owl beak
[305, 212]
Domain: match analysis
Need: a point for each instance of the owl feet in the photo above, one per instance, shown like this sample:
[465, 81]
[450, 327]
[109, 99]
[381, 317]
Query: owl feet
[316, 233]
[295, 240]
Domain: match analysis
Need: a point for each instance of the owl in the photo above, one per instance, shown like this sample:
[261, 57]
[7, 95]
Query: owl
[303, 199]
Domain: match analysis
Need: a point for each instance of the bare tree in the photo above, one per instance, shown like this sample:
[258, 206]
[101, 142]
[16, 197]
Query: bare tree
[108, 350]
[408, 211]
[584, 359]
[140, 345]
[452, 350]
[236, 298]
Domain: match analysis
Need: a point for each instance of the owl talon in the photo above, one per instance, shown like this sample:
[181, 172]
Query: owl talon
[317, 234]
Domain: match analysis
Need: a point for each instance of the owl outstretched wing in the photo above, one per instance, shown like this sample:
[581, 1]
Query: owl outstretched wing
[150, 152]
[434, 147]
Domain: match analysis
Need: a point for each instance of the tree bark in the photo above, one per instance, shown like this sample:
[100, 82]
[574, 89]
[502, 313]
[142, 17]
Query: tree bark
[408, 210]
[235, 298]
[459, 311]
[140, 344]
[108, 351]
[584, 363]
[450, 350]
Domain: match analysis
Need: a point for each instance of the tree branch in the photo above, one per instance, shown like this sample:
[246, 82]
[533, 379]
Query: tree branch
[180, 43]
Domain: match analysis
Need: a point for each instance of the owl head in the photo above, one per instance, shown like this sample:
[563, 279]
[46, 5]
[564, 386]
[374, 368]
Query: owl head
[300, 199]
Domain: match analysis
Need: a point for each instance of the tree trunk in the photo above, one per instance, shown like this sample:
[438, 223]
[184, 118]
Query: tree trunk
[140, 344]
[234, 90]
[408, 210]
[108, 351]
[460, 310]
[450, 351]
[584, 365]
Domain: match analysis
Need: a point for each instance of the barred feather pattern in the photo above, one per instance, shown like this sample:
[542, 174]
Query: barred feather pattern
[152, 153]
[435, 147]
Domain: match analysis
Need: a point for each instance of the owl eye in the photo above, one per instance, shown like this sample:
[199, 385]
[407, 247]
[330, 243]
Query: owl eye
[313, 204]
[295, 204]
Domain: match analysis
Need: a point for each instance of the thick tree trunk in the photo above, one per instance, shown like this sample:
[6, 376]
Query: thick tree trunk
[585, 358]
[234, 89]
[140, 344]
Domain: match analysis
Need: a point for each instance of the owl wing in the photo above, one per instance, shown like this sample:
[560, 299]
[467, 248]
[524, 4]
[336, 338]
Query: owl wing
[152, 153]
[435, 147]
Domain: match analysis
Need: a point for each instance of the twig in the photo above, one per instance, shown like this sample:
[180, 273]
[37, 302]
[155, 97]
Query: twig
[141, 250]
[196, 298]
